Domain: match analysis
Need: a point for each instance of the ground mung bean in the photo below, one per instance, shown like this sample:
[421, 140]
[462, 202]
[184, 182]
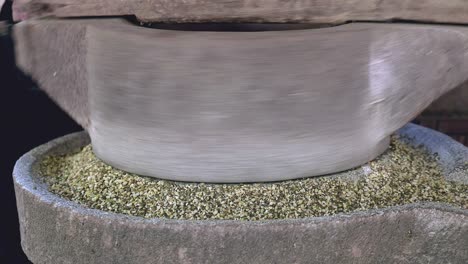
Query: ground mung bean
[402, 175]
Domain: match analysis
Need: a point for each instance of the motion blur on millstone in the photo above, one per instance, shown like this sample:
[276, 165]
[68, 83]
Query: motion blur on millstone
[245, 104]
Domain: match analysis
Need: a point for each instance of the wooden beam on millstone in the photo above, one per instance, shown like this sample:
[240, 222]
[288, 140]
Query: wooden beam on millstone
[313, 11]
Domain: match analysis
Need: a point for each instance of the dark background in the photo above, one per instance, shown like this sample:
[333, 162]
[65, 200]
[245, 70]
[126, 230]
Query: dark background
[28, 118]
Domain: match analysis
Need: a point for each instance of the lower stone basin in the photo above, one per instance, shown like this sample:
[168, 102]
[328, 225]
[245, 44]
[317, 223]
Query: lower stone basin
[55, 230]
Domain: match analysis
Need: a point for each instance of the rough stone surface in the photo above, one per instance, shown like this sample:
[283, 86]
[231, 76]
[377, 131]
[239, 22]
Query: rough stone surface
[54, 230]
[320, 11]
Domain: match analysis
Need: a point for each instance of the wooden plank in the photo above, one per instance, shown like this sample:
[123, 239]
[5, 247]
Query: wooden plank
[313, 11]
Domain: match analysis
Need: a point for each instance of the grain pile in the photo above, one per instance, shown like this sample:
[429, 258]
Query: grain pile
[402, 175]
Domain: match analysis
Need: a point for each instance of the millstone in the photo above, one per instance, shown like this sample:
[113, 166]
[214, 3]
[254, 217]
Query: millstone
[241, 106]
[56, 230]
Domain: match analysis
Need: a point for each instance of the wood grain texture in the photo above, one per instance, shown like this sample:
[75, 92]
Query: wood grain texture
[314, 11]
[243, 106]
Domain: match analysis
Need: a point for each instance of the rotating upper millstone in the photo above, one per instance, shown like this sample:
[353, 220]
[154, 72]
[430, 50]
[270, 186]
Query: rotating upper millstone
[242, 106]
[261, 106]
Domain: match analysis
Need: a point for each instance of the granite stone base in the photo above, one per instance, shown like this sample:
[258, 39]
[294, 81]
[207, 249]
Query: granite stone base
[54, 230]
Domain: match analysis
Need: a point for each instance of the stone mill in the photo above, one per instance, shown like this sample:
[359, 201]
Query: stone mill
[244, 131]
